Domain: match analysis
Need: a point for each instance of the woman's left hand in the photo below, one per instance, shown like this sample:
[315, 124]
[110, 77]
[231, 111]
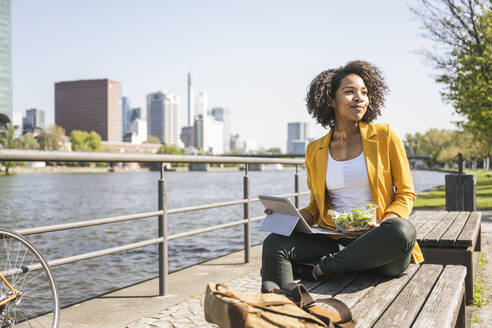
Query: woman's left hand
[357, 234]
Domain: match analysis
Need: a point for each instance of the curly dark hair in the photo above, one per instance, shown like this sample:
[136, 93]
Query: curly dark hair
[323, 88]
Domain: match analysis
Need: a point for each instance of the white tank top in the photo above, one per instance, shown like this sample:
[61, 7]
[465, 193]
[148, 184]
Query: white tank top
[347, 183]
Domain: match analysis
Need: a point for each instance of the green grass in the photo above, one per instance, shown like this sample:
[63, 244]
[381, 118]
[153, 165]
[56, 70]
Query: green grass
[478, 299]
[437, 199]
[478, 289]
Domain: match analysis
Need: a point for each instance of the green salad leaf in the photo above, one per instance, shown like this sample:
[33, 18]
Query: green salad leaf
[355, 219]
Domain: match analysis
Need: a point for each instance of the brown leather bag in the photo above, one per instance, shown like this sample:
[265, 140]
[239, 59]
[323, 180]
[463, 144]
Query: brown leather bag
[229, 309]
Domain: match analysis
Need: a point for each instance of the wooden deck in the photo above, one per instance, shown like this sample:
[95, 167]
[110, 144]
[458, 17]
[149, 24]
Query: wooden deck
[428, 295]
[451, 238]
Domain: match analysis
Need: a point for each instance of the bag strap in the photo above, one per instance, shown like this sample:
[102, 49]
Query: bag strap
[299, 294]
[342, 309]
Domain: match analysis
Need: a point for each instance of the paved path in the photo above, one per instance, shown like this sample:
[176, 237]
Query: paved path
[190, 312]
[180, 308]
[483, 314]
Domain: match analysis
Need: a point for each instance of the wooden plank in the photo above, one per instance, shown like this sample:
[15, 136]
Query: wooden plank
[439, 229]
[331, 286]
[351, 294]
[418, 218]
[369, 308]
[470, 231]
[449, 238]
[405, 308]
[425, 228]
[443, 305]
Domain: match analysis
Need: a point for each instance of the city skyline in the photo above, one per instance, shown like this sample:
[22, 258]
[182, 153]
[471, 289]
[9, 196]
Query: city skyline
[259, 66]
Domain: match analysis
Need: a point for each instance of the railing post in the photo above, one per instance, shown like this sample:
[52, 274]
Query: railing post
[162, 219]
[247, 225]
[296, 186]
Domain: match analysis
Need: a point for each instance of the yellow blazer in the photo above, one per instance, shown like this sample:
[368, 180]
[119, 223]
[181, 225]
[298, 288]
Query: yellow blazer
[389, 175]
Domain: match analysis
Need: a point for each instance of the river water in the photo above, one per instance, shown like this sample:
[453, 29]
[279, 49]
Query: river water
[33, 200]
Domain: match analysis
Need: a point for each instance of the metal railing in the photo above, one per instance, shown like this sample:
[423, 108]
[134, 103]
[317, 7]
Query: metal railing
[162, 212]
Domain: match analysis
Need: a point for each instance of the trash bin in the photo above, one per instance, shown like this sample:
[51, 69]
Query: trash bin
[461, 192]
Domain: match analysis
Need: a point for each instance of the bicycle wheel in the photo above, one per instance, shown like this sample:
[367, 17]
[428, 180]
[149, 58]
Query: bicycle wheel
[27, 271]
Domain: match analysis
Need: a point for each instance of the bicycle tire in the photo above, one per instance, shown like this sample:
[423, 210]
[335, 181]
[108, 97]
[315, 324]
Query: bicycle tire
[29, 310]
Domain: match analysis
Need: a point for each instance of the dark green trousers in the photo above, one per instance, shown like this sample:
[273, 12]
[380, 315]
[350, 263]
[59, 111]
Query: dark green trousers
[386, 249]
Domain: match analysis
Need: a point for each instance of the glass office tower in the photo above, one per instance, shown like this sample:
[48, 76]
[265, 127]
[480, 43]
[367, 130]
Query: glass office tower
[5, 63]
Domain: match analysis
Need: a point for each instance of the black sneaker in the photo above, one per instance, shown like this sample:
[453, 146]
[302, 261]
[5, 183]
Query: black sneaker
[268, 286]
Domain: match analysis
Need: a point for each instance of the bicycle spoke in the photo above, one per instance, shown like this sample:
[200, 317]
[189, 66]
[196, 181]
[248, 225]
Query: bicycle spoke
[38, 304]
[36, 288]
[17, 254]
[24, 318]
[41, 273]
[23, 258]
[25, 274]
[7, 262]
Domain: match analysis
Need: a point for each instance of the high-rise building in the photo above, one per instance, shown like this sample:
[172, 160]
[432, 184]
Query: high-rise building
[162, 116]
[34, 120]
[297, 137]
[201, 103]
[125, 113]
[190, 101]
[186, 136]
[5, 62]
[136, 113]
[90, 105]
[137, 131]
[223, 115]
[17, 123]
[236, 143]
[208, 134]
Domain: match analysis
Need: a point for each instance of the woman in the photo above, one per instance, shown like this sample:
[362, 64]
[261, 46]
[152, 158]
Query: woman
[355, 164]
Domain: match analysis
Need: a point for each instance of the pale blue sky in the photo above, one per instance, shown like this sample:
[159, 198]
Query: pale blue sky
[254, 57]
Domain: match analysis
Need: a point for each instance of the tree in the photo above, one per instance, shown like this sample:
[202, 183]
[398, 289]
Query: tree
[275, 151]
[443, 146]
[77, 141]
[7, 142]
[94, 141]
[26, 142]
[463, 31]
[153, 140]
[53, 138]
[412, 143]
[428, 144]
[171, 149]
[85, 141]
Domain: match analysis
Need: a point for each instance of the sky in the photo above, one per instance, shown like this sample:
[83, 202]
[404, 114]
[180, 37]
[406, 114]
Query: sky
[254, 57]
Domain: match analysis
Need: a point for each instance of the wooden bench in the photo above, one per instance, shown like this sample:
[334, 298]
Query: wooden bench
[427, 295]
[450, 238]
